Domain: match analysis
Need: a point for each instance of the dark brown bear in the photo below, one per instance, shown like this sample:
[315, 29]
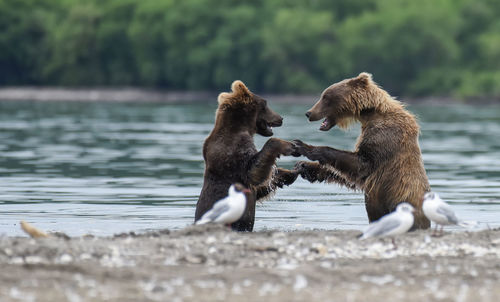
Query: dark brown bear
[231, 156]
[386, 164]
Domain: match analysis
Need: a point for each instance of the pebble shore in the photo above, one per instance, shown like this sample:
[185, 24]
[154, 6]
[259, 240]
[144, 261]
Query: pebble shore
[212, 263]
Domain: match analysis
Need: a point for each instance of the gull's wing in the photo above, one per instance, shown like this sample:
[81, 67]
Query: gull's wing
[382, 227]
[446, 210]
[219, 208]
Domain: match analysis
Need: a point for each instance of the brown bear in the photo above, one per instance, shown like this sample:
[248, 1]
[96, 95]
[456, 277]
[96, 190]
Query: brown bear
[386, 164]
[231, 156]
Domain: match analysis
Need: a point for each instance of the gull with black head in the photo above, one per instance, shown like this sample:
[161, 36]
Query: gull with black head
[229, 209]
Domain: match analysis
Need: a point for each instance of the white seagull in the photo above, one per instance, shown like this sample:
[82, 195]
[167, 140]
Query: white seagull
[440, 212]
[228, 209]
[395, 223]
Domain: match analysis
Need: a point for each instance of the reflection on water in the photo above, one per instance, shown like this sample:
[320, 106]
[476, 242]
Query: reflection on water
[103, 168]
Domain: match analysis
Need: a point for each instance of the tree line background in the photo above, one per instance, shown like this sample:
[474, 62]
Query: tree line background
[413, 48]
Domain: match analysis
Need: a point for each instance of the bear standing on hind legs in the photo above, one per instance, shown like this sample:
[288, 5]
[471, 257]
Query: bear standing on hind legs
[231, 156]
[386, 164]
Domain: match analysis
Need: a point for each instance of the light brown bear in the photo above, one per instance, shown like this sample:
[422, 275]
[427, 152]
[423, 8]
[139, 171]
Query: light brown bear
[386, 163]
[231, 156]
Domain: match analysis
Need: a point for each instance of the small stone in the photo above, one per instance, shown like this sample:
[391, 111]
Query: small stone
[17, 260]
[195, 259]
[85, 256]
[65, 258]
[211, 240]
[320, 249]
[34, 260]
[300, 283]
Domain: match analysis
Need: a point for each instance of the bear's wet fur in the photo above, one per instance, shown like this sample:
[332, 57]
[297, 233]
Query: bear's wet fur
[386, 163]
[231, 156]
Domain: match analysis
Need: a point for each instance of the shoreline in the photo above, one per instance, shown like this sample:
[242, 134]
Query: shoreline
[134, 94]
[212, 263]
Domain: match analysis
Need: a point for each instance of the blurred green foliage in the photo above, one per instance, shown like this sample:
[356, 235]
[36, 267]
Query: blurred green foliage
[417, 48]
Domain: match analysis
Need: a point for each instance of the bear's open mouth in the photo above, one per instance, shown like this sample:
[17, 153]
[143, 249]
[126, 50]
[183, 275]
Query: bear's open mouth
[327, 125]
[265, 128]
[269, 126]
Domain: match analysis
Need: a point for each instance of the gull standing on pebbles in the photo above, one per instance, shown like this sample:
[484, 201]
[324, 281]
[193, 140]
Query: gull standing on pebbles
[440, 212]
[395, 223]
[228, 209]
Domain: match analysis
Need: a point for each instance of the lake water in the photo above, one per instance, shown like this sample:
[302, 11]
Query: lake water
[105, 168]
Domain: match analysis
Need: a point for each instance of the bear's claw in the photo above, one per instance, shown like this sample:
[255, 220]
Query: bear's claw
[300, 148]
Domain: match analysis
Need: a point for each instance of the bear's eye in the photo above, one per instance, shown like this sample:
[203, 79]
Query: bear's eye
[331, 98]
[263, 106]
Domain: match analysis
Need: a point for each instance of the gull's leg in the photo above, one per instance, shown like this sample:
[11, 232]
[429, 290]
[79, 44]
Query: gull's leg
[434, 232]
[394, 243]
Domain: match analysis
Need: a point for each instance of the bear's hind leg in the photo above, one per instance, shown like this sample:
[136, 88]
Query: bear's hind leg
[374, 209]
[245, 223]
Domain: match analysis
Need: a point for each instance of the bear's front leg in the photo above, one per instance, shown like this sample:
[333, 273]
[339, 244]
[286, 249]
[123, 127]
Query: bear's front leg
[285, 177]
[262, 164]
[282, 177]
[314, 172]
[348, 163]
[325, 155]
[310, 171]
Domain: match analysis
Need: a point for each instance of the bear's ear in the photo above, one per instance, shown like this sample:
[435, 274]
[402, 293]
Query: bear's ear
[224, 96]
[363, 79]
[239, 88]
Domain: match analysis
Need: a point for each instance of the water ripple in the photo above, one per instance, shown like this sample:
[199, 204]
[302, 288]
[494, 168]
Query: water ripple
[104, 168]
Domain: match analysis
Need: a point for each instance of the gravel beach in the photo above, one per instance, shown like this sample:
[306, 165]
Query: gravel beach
[211, 263]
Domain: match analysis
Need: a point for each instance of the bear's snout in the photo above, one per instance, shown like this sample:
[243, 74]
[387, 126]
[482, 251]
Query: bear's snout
[277, 122]
[308, 114]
